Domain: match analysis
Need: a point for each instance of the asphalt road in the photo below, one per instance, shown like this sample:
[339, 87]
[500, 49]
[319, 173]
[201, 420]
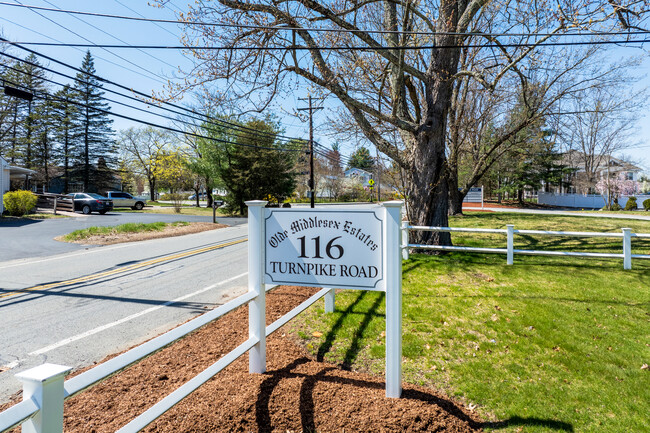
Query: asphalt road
[77, 307]
[26, 239]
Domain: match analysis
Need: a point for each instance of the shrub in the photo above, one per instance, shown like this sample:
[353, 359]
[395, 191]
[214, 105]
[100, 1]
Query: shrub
[646, 204]
[631, 203]
[18, 203]
[616, 206]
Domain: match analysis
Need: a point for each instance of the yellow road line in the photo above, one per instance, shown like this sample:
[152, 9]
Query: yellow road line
[123, 269]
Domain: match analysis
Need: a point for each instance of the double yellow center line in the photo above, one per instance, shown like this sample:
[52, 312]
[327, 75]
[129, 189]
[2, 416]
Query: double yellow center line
[123, 269]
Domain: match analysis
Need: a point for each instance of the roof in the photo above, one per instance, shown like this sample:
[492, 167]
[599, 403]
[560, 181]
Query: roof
[575, 158]
[15, 171]
[357, 171]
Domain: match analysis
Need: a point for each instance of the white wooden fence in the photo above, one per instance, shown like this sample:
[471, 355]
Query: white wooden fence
[44, 389]
[626, 235]
[585, 201]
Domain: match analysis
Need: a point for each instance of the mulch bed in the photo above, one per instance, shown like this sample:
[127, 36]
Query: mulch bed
[297, 394]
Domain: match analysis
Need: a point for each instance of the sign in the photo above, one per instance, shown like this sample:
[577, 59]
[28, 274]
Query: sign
[355, 248]
[328, 248]
[474, 195]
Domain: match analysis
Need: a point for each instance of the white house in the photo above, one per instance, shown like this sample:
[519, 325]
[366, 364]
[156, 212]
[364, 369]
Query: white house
[7, 173]
[603, 166]
[356, 173]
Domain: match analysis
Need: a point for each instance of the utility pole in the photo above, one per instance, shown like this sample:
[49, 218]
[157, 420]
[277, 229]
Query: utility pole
[311, 109]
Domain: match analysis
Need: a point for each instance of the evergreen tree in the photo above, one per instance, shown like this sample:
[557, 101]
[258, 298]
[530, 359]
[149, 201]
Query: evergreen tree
[44, 144]
[361, 159]
[255, 174]
[67, 131]
[97, 135]
[28, 77]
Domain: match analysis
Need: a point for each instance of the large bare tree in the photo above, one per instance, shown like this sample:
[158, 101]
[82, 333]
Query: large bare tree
[391, 63]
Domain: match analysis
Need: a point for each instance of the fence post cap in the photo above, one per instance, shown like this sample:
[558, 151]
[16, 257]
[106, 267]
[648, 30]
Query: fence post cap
[393, 203]
[254, 203]
[43, 373]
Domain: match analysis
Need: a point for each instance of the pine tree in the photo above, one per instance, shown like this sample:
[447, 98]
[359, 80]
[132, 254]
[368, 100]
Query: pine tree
[97, 135]
[255, 173]
[28, 77]
[361, 159]
[67, 131]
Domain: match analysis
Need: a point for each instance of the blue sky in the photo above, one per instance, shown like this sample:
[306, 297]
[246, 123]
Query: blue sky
[148, 71]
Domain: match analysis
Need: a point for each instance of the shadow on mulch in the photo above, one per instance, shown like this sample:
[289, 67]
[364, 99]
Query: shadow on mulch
[296, 394]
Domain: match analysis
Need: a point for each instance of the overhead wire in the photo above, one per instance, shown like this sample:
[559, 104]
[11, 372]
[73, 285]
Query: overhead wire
[335, 48]
[202, 116]
[322, 29]
[116, 38]
[76, 48]
[236, 133]
[37, 94]
[92, 45]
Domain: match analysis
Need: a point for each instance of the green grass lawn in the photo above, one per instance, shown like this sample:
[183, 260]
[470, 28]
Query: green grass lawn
[79, 235]
[548, 344]
[32, 216]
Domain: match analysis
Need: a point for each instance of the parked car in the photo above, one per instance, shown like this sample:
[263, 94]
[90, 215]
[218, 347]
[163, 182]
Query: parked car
[88, 202]
[124, 199]
[202, 196]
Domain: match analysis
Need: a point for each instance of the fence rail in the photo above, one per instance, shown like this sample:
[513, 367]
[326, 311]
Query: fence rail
[55, 202]
[626, 235]
[36, 404]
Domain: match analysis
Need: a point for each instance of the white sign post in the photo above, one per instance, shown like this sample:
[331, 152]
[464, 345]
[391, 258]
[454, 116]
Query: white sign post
[348, 248]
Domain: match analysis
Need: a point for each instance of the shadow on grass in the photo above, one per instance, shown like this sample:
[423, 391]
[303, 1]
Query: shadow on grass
[352, 351]
[529, 422]
[329, 375]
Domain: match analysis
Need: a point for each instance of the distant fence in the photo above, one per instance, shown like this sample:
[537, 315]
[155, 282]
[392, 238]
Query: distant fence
[55, 202]
[583, 201]
[626, 235]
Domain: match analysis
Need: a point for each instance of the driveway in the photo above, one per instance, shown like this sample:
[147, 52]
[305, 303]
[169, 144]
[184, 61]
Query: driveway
[25, 239]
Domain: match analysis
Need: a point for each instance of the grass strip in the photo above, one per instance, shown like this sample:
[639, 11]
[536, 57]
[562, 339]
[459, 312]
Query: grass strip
[86, 233]
[548, 344]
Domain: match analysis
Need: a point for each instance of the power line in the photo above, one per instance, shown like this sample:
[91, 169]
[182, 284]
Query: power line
[93, 45]
[142, 16]
[332, 48]
[203, 117]
[76, 48]
[236, 132]
[319, 29]
[49, 96]
[116, 38]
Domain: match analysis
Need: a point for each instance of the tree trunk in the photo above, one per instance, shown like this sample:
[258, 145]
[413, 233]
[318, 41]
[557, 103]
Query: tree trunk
[152, 188]
[427, 187]
[456, 196]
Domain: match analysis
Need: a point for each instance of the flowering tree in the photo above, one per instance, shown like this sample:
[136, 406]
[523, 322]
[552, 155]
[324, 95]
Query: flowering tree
[611, 188]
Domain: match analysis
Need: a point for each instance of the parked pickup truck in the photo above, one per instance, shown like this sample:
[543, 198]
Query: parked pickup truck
[124, 199]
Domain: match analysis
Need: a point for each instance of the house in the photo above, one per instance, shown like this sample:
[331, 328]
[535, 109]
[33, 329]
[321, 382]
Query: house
[9, 173]
[578, 181]
[356, 173]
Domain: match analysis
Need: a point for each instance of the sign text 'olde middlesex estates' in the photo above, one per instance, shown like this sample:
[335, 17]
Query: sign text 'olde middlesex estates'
[324, 248]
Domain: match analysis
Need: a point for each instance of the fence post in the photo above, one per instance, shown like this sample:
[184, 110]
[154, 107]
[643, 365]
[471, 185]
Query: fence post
[405, 240]
[257, 307]
[330, 298]
[44, 385]
[393, 277]
[627, 248]
[510, 230]
[55, 205]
